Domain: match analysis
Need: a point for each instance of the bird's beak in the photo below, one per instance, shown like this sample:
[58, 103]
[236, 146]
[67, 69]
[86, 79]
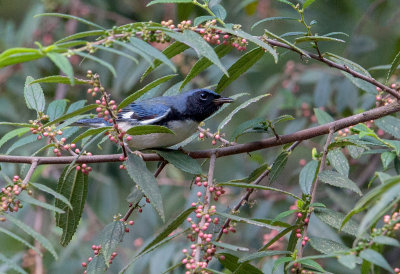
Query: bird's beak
[223, 100]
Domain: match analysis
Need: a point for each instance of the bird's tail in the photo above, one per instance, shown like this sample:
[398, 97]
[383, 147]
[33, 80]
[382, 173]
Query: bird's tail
[95, 122]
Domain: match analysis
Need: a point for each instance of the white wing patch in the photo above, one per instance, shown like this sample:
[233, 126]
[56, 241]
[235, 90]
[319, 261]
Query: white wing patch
[127, 115]
[154, 120]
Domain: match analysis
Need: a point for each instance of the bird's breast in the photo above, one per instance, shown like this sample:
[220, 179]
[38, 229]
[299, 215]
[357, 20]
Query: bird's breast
[182, 130]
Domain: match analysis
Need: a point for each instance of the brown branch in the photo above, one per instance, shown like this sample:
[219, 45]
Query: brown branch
[224, 151]
[30, 172]
[210, 135]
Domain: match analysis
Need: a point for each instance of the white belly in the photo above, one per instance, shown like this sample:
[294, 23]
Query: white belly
[182, 131]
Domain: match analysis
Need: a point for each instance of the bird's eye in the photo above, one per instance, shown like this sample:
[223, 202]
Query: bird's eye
[203, 96]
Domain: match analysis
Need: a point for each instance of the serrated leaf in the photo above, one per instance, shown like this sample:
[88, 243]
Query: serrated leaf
[336, 179]
[307, 3]
[168, 1]
[335, 219]
[242, 185]
[148, 49]
[118, 52]
[71, 114]
[18, 238]
[97, 60]
[172, 50]
[34, 96]
[202, 48]
[111, 235]
[29, 200]
[257, 173]
[247, 125]
[21, 142]
[385, 240]
[148, 129]
[73, 185]
[204, 63]
[327, 246]
[245, 62]
[90, 132]
[181, 160]
[51, 192]
[307, 176]
[393, 67]
[280, 39]
[263, 254]
[272, 19]
[146, 182]
[9, 263]
[278, 166]
[230, 246]
[143, 90]
[67, 16]
[30, 231]
[81, 35]
[247, 220]
[376, 258]
[97, 265]
[240, 107]
[339, 161]
[56, 109]
[13, 133]
[390, 125]
[322, 116]
[63, 64]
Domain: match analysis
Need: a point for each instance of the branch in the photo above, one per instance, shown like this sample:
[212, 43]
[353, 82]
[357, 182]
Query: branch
[30, 172]
[224, 151]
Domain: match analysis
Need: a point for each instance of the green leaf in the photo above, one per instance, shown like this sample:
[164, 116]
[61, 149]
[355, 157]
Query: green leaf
[254, 40]
[10, 52]
[148, 129]
[385, 240]
[30, 231]
[326, 246]
[219, 11]
[204, 63]
[246, 127]
[390, 125]
[59, 79]
[201, 19]
[281, 260]
[307, 176]
[230, 246]
[257, 173]
[16, 124]
[263, 254]
[311, 263]
[277, 237]
[18, 238]
[349, 261]
[98, 60]
[73, 185]
[272, 19]
[172, 50]
[13, 133]
[111, 235]
[202, 48]
[9, 263]
[56, 109]
[21, 142]
[168, 1]
[280, 39]
[287, 2]
[239, 67]
[278, 166]
[52, 192]
[148, 49]
[242, 185]
[143, 90]
[240, 107]
[135, 50]
[97, 265]
[246, 220]
[20, 58]
[181, 160]
[174, 224]
[285, 214]
[339, 161]
[71, 114]
[393, 67]
[322, 116]
[63, 64]
[316, 38]
[118, 52]
[376, 258]
[24, 197]
[336, 179]
[231, 262]
[67, 16]
[81, 35]
[34, 96]
[307, 3]
[146, 182]
[386, 158]
[335, 219]
[90, 132]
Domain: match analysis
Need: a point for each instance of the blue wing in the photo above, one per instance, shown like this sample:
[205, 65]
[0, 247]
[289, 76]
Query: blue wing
[143, 113]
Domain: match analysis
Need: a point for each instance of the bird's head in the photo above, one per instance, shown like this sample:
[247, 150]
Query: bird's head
[202, 103]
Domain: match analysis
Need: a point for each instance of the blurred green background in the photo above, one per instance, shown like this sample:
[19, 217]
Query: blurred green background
[296, 87]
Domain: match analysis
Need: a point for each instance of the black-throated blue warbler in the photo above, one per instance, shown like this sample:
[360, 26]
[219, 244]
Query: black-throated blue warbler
[181, 113]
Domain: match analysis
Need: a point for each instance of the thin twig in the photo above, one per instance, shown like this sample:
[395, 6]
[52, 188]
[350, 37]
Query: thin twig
[30, 172]
[210, 135]
[206, 206]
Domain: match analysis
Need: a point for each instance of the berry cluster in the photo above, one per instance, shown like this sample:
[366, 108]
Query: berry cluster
[382, 100]
[205, 133]
[9, 195]
[297, 269]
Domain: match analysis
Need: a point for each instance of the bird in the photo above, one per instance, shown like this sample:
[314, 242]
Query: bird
[181, 113]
